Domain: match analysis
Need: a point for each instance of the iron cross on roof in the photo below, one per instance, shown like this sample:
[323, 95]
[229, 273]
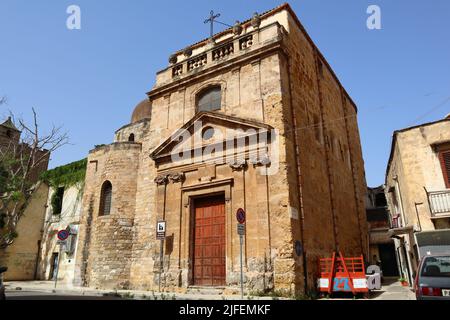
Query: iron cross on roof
[211, 20]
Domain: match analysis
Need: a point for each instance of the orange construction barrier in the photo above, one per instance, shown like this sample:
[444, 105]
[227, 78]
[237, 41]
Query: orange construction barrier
[340, 274]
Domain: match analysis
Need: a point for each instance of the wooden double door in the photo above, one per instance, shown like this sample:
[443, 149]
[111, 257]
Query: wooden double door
[209, 241]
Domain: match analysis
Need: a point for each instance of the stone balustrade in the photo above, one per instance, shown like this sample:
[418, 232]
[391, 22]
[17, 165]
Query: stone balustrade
[177, 70]
[222, 51]
[197, 62]
[246, 42]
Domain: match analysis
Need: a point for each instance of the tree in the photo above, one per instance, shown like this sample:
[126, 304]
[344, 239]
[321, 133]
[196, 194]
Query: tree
[20, 164]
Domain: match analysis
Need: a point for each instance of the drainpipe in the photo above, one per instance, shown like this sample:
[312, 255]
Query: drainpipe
[299, 177]
[326, 146]
[399, 195]
[417, 213]
[355, 190]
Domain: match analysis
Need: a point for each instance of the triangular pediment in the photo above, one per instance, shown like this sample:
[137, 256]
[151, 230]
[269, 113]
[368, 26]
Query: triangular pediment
[207, 129]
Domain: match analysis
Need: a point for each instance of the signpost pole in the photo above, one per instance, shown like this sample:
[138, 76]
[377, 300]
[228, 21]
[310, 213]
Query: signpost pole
[59, 261]
[62, 237]
[161, 262]
[161, 235]
[240, 217]
[242, 271]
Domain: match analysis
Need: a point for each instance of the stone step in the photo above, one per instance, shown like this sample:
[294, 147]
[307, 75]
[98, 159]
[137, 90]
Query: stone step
[205, 290]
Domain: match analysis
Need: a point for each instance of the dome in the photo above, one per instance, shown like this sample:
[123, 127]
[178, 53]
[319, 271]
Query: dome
[142, 111]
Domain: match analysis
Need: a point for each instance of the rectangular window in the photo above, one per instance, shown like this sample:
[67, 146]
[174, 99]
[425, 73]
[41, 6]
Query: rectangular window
[444, 157]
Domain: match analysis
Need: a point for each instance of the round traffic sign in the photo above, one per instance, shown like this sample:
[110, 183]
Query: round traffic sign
[63, 235]
[240, 216]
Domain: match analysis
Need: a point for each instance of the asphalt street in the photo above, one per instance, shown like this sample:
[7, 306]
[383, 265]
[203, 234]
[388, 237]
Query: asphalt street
[35, 295]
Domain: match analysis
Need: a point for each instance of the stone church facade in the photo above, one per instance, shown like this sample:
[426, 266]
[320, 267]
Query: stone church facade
[298, 173]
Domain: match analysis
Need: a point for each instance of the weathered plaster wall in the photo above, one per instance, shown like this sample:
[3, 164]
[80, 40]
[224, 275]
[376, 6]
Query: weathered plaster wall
[21, 257]
[70, 215]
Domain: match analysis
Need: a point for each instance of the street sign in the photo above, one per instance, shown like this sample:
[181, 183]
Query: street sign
[240, 216]
[63, 235]
[161, 230]
[241, 229]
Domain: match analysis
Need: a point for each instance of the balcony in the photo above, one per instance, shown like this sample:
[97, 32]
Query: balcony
[439, 202]
[396, 222]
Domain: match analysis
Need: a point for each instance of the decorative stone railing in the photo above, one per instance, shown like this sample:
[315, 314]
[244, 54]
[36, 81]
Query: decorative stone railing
[177, 70]
[246, 42]
[216, 53]
[223, 51]
[197, 62]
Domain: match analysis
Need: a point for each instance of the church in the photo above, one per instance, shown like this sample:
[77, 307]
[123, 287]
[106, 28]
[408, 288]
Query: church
[253, 118]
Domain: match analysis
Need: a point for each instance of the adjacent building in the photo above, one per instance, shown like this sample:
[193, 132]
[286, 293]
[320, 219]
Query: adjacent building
[63, 211]
[418, 192]
[252, 118]
[381, 245]
[21, 257]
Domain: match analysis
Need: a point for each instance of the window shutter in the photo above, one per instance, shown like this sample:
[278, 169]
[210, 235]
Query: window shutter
[445, 164]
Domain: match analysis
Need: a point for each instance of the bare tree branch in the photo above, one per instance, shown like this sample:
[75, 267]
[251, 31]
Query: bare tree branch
[22, 162]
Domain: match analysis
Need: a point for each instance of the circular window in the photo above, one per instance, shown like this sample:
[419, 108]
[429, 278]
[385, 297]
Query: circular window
[208, 133]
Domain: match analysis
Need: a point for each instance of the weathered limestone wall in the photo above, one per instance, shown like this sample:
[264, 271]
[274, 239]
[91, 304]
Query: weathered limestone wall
[330, 155]
[250, 91]
[8, 135]
[276, 82]
[22, 256]
[139, 129]
[105, 259]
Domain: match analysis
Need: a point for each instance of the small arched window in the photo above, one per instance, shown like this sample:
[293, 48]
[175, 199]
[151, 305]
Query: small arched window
[131, 138]
[105, 199]
[209, 99]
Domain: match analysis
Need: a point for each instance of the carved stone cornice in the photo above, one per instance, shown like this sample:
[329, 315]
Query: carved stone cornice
[262, 161]
[176, 177]
[238, 164]
[161, 179]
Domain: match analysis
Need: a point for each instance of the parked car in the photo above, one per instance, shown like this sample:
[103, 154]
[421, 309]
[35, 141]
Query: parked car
[432, 281]
[2, 287]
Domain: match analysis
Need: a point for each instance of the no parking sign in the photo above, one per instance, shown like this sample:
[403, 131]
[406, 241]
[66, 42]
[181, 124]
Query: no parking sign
[63, 235]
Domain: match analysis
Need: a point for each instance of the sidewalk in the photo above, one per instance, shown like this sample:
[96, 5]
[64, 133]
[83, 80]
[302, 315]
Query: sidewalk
[62, 289]
[393, 290]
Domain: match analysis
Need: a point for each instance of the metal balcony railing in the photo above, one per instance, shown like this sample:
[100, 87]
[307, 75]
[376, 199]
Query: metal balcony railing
[396, 222]
[439, 203]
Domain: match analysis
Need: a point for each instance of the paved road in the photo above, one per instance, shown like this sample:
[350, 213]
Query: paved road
[391, 290]
[36, 295]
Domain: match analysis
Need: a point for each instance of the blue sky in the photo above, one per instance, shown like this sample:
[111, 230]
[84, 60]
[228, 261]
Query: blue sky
[89, 80]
